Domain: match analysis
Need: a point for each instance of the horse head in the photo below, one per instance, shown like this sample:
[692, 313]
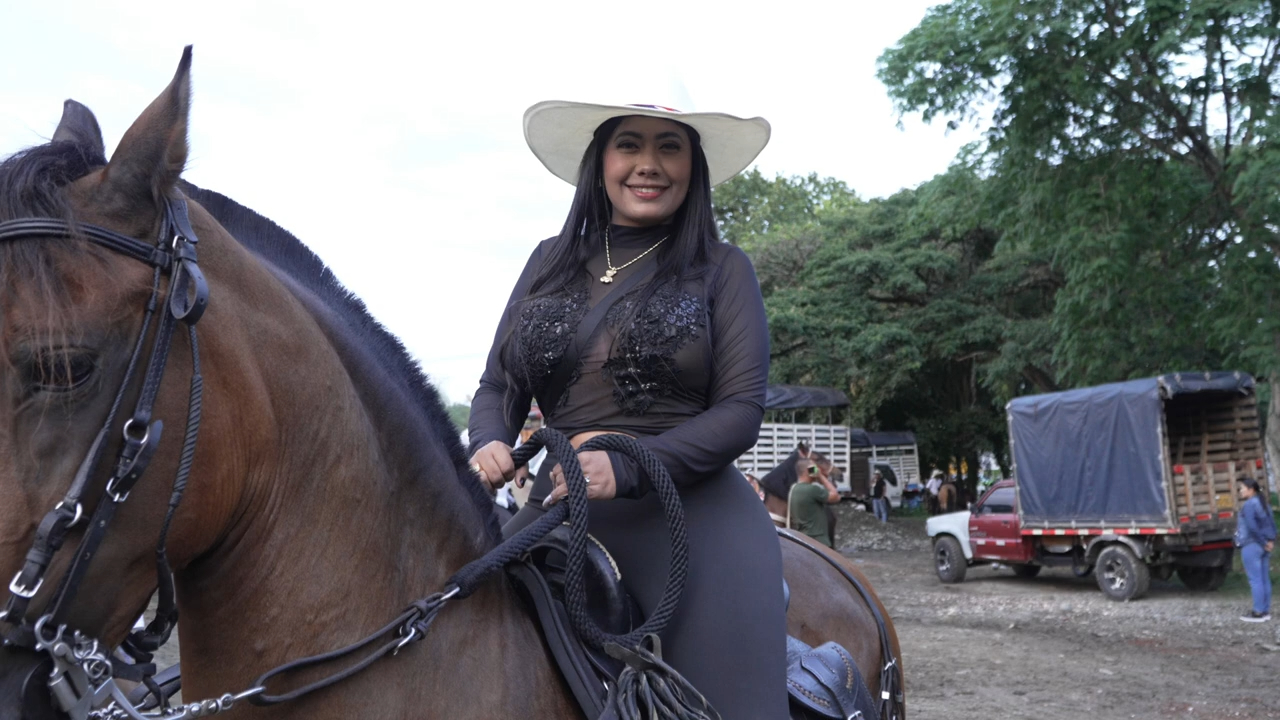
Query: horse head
[72, 315]
[315, 428]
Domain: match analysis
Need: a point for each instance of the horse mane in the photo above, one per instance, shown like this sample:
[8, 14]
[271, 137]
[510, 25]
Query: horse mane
[277, 246]
[32, 180]
[32, 184]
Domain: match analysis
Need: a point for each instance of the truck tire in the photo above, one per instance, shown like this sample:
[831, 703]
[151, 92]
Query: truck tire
[1202, 579]
[948, 559]
[1026, 571]
[1121, 575]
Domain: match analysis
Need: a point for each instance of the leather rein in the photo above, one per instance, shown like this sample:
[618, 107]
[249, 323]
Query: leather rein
[81, 668]
[82, 681]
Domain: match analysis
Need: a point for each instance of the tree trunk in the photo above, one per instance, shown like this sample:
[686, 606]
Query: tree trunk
[1272, 434]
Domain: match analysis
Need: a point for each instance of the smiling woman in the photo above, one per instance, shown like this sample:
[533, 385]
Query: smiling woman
[638, 320]
[647, 166]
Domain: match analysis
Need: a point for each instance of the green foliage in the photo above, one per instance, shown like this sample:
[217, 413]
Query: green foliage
[1135, 141]
[460, 414]
[904, 303]
[1122, 218]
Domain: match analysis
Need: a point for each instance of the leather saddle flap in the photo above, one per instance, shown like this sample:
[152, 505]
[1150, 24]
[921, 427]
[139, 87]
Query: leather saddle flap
[590, 673]
[825, 681]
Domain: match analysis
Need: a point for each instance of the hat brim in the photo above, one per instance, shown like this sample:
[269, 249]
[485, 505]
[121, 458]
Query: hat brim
[558, 133]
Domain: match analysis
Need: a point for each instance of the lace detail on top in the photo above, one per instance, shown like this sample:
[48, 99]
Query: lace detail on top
[642, 367]
[546, 327]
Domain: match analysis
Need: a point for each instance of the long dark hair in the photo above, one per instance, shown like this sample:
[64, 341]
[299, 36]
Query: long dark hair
[582, 234]
[686, 257]
[1253, 485]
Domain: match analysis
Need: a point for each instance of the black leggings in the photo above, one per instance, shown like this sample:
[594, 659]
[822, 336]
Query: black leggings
[728, 636]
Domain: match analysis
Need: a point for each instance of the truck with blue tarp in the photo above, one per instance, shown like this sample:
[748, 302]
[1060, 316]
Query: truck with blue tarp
[1128, 480]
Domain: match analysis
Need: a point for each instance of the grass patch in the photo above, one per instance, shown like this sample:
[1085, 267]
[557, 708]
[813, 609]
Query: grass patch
[1237, 583]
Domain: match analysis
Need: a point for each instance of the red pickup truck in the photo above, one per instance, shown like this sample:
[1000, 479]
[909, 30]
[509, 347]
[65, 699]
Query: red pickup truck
[1131, 481]
[1125, 561]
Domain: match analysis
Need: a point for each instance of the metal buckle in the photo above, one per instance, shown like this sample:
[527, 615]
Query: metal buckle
[111, 491]
[22, 592]
[79, 514]
[129, 433]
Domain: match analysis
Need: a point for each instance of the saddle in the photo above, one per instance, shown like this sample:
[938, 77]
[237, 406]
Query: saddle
[823, 682]
[539, 578]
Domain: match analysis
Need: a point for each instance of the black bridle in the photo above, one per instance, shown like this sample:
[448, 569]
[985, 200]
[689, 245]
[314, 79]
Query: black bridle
[80, 667]
[78, 674]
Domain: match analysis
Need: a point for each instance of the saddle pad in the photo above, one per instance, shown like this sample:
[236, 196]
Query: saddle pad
[824, 682]
[539, 576]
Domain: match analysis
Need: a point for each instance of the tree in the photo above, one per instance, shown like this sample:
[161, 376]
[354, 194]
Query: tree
[1135, 140]
[905, 304]
[460, 414]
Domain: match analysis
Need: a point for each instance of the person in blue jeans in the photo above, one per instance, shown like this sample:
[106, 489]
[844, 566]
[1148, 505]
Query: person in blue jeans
[878, 500]
[1256, 537]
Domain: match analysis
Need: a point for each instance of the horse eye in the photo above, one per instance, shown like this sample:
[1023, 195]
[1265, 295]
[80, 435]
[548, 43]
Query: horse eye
[62, 371]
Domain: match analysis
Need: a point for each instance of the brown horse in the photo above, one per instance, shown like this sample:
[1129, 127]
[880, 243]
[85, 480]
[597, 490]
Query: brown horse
[777, 486]
[328, 489]
[947, 497]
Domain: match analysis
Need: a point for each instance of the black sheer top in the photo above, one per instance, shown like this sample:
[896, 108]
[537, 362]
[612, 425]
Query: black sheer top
[686, 374]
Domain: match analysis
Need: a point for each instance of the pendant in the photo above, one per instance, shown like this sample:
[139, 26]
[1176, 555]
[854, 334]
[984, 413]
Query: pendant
[607, 277]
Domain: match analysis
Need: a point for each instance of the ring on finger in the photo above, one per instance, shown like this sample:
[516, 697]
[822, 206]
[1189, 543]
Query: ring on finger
[586, 478]
[475, 468]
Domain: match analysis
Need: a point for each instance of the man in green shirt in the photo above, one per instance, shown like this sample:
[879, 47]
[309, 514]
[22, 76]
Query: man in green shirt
[805, 506]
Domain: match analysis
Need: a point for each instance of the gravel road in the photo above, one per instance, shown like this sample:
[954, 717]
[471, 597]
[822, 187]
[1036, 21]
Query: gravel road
[999, 647]
[1054, 648]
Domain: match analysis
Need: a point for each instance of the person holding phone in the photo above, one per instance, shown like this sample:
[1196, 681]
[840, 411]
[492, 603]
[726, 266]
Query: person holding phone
[806, 504]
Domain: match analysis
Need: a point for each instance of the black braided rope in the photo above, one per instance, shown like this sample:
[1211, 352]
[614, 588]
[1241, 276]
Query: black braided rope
[650, 688]
[653, 685]
[574, 509]
[157, 632]
[673, 510]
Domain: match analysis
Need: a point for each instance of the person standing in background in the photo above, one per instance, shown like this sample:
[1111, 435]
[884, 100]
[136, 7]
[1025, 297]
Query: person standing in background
[932, 488]
[806, 504]
[1256, 538]
[879, 503]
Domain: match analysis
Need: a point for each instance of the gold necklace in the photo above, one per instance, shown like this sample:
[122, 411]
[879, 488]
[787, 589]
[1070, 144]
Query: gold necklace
[607, 277]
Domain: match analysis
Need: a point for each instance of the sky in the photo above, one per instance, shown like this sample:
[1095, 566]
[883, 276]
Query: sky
[387, 136]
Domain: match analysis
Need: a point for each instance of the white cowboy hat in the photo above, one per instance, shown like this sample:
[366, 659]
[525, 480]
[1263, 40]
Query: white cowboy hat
[558, 133]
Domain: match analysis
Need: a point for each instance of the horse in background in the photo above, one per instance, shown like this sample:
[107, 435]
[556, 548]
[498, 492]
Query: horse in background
[777, 483]
[947, 497]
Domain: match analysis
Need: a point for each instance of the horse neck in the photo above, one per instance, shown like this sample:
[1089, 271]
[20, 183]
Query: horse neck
[349, 511]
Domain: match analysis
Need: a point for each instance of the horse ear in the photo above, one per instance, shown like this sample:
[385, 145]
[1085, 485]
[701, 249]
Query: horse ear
[151, 155]
[79, 126]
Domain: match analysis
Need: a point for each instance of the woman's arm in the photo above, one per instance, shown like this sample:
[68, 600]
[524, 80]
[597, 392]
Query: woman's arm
[730, 425]
[491, 417]
[1251, 521]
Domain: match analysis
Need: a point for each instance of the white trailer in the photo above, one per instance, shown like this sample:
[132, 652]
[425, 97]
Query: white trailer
[856, 453]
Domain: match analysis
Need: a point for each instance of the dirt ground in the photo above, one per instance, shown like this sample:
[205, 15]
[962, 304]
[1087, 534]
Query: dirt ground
[999, 647]
[1054, 648]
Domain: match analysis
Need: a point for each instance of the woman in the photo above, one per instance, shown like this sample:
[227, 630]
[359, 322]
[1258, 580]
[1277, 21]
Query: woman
[680, 360]
[1256, 537]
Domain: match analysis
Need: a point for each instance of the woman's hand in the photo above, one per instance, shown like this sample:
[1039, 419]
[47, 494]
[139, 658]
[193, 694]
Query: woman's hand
[600, 481]
[493, 465]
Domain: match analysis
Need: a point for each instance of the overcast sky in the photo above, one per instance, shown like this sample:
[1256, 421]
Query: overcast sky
[387, 136]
